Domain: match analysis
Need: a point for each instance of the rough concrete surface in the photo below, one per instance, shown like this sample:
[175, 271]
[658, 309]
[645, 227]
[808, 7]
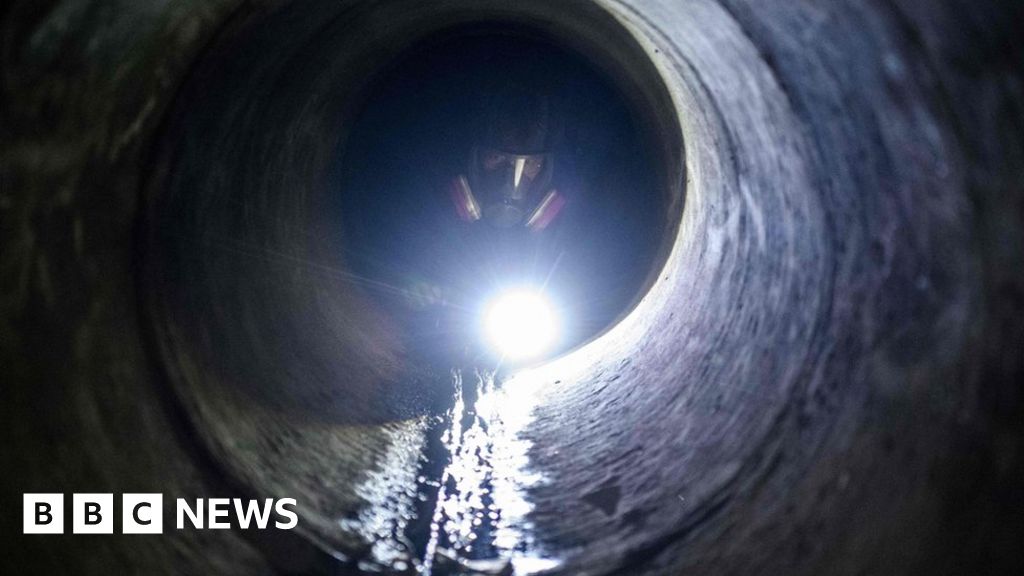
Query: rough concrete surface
[824, 376]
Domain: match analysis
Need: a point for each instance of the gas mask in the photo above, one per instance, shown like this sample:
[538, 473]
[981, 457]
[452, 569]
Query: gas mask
[509, 185]
[509, 178]
[507, 190]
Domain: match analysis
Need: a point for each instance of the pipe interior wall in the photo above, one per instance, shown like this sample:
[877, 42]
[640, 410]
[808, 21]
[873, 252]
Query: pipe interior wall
[821, 375]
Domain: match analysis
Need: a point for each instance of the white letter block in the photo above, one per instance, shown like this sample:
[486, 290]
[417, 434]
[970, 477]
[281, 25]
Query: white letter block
[142, 514]
[92, 514]
[43, 514]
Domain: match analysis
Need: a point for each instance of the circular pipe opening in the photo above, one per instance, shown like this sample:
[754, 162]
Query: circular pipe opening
[413, 220]
[299, 220]
[819, 379]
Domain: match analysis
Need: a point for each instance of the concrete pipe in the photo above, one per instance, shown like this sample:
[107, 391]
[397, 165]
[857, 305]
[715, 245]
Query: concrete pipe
[807, 360]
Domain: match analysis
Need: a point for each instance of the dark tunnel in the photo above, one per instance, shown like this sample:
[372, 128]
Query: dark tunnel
[786, 252]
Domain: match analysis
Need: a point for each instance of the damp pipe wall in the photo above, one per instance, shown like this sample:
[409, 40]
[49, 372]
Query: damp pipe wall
[824, 376]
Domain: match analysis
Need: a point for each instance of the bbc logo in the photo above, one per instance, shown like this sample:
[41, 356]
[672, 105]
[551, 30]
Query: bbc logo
[93, 514]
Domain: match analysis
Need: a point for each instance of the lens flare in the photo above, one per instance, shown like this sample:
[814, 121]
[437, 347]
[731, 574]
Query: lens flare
[521, 324]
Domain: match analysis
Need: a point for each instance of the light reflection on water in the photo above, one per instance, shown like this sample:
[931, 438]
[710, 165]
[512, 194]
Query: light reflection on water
[478, 490]
[507, 410]
[389, 491]
[480, 518]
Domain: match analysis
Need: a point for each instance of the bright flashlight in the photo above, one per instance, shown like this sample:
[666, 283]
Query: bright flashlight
[521, 324]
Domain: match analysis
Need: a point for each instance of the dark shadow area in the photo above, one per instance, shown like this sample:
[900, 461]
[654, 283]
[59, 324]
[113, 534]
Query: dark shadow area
[416, 134]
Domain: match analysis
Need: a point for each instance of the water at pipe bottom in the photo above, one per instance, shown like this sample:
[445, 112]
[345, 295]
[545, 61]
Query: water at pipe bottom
[451, 496]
